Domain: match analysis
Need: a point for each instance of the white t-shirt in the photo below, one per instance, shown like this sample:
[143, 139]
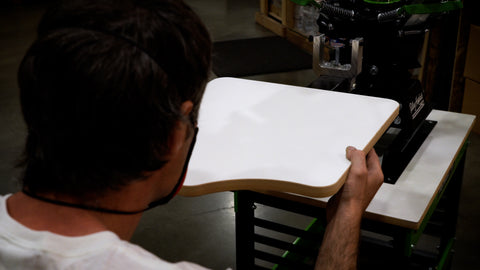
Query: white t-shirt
[23, 248]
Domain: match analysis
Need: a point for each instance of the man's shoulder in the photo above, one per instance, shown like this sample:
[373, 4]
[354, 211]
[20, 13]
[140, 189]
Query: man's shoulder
[21, 246]
[126, 255]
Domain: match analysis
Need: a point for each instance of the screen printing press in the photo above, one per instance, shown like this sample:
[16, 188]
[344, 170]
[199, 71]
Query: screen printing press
[274, 145]
[283, 147]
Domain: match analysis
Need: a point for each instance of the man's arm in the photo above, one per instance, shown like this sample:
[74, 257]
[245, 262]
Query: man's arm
[339, 249]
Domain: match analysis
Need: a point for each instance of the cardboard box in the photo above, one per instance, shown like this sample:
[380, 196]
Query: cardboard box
[472, 63]
[471, 101]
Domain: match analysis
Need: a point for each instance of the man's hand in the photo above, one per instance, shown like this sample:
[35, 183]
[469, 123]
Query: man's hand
[364, 179]
[345, 209]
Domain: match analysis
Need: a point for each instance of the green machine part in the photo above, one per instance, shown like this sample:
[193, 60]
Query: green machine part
[382, 2]
[428, 8]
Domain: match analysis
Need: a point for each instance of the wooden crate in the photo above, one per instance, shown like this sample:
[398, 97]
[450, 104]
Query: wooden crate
[282, 23]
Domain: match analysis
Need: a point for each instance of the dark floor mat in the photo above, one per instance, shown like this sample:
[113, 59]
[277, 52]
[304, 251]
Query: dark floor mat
[246, 57]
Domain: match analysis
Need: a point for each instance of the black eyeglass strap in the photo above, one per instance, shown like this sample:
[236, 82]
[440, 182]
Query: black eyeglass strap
[180, 181]
[80, 206]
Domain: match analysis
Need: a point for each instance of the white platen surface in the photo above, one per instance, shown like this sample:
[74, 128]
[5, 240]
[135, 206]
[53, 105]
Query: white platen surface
[407, 201]
[262, 136]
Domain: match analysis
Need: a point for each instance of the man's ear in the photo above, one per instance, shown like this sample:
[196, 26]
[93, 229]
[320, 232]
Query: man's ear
[186, 108]
[179, 133]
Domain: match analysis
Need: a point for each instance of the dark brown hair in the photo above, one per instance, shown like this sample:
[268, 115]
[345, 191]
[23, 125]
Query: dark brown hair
[101, 89]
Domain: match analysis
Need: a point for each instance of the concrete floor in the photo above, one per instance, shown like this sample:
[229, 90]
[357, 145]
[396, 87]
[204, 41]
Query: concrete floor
[197, 229]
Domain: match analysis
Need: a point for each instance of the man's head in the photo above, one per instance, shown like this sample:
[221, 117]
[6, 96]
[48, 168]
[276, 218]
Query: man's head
[101, 90]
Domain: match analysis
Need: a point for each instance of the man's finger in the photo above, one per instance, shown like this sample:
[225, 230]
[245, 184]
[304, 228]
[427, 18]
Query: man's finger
[359, 166]
[374, 168]
[356, 156]
[373, 161]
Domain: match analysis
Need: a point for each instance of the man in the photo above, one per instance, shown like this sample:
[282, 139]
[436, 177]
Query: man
[110, 92]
